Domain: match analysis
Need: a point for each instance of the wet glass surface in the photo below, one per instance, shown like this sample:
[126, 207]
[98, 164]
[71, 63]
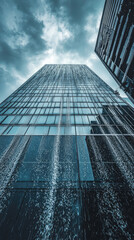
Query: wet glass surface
[67, 170]
[85, 193]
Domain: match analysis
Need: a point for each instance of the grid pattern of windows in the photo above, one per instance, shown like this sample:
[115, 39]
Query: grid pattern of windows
[64, 187]
[71, 97]
[115, 42]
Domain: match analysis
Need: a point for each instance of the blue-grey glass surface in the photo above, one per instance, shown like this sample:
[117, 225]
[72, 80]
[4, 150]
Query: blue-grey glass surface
[66, 158]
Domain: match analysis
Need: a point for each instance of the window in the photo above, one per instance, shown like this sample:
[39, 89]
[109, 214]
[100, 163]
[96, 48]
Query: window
[17, 130]
[82, 130]
[8, 120]
[50, 120]
[25, 120]
[2, 129]
[37, 130]
[41, 120]
[16, 119]
[85, 119]
[33, 120]
[78, 119]
[2, 118]
[10, 110]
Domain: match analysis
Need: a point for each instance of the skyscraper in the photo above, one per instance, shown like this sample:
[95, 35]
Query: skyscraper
[115, 42]
[66, 150]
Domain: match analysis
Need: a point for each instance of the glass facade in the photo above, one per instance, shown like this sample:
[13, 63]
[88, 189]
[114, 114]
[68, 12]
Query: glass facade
[66, 152]
[73, 98]
[115, 42]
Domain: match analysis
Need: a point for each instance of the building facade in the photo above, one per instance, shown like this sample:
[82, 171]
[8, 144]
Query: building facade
[115, 42]
[66, 151]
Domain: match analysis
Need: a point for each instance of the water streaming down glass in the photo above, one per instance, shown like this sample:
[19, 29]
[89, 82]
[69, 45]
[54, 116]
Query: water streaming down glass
[73, 178]
[49, 205]
[120, 157]
[9, 161]
[109, 204]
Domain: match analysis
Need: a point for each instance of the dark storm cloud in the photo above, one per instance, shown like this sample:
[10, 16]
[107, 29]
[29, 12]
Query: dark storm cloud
[12, 58]
[31, 26]
[34, 32]
[76, 10]
[12, 53]
[75, 13]
[6, 83]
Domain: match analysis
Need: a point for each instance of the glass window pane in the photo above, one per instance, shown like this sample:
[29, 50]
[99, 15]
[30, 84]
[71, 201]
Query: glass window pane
[42, 111]
[37, 111]
[86, 172]
[41, 120]
[53, 131]
[24, 110]
[85, 119]
[37, 130]
[2, 118]
[56, 111]
[9, 111]
[56, 130]
[75, 110]
[17, 130]
[92, 119]
[33, 120]
[40, 105]
[50, 120]
[32, 110]
[86, 111]
[57, 119]
[78, 119]
[25, 120]
[16, 119]
[70, 130]
[72, 119]
[8, 119]
[2, 129]
[63, 120]
[47, 110]
[82, 130]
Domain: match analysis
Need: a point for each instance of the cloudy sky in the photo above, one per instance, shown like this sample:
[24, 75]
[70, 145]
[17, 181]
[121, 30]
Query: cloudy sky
[36, 32]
